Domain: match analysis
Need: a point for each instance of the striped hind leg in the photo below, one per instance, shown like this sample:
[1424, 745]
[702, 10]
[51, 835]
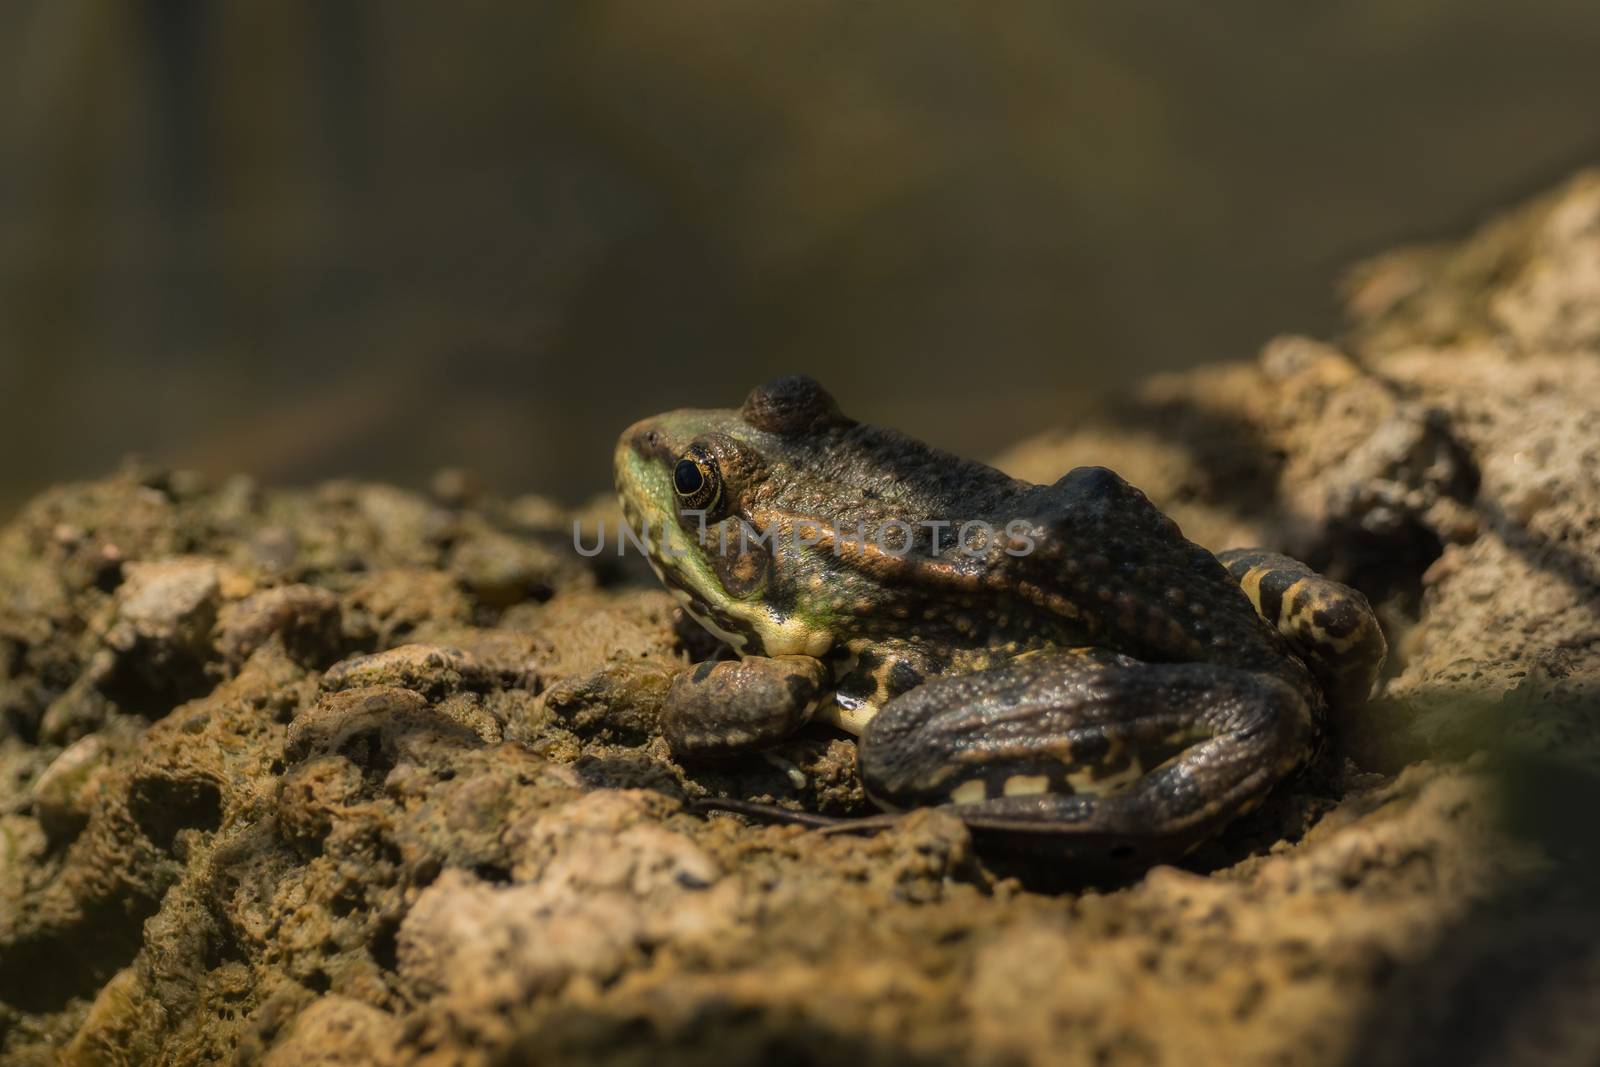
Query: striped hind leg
[1089, 751]
[1329, 625]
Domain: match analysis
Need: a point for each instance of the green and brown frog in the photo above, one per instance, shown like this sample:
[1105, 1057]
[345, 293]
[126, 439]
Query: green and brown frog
[1051, 662]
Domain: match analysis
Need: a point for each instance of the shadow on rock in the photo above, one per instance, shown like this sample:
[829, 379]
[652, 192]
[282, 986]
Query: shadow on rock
[1517, 978]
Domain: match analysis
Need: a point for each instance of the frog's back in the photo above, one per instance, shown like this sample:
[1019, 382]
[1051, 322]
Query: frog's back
[859, 473]
[1142, 587]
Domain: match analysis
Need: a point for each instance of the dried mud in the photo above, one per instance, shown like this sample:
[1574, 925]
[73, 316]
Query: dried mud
[355, 775]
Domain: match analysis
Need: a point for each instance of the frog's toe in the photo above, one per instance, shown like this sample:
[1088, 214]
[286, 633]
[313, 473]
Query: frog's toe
[1100, 751]
[1329, 625]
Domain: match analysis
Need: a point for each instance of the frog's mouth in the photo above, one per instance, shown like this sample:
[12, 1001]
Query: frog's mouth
[644, 459]
[643, 462]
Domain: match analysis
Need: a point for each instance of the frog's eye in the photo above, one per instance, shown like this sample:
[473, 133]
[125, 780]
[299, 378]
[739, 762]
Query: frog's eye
[696, 480]
[791, 405]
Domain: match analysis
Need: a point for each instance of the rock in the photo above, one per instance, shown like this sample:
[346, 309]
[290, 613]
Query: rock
[339, 1032]
[304, 617]
[475, 946]
[622, 700]
[22, 844]
[374, 725]
[425, 668]
[607, 841]
[594, 884]
[501, 569]
[122, 1026]
[161, 633]
[387, 607]
[584, 631]
[62, 795]
[167, 606]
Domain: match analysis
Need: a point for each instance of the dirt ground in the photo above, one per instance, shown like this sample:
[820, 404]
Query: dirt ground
[333, 776]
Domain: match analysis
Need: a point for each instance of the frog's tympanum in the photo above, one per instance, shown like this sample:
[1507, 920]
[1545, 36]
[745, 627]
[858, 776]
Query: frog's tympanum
[1044, 659]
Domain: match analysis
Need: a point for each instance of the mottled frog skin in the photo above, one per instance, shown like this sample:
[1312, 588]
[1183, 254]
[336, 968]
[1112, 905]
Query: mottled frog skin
[1085, 676]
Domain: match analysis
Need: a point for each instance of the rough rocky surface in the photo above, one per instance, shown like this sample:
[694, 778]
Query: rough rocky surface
[361, 776]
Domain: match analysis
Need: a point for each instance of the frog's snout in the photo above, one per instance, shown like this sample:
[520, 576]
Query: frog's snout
[639, 444]
[646, 440]
[642, 467]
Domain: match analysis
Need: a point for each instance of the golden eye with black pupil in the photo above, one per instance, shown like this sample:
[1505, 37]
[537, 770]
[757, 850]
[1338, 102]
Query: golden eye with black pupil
[697, 481]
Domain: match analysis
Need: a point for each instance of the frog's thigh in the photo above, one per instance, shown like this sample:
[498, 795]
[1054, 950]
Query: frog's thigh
[1329, 625]
[739, 705]
[1095, 746]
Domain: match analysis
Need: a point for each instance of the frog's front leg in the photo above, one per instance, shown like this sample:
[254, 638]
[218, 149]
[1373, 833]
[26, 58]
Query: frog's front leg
[715, 709]
[1099, 750]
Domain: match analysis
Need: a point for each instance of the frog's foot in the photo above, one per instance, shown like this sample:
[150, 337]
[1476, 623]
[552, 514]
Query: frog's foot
[1090, 749]
[873, 675]
[716, 709]
[1329, 625]
[772, 813]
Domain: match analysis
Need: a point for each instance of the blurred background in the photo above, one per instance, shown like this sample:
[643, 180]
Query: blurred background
[303, 238]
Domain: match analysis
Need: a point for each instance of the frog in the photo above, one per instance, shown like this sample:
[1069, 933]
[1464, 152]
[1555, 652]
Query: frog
[1053, 664]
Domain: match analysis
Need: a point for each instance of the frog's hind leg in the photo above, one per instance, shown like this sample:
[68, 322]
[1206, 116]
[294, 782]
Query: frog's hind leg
[1329, 625]
[1090, 750]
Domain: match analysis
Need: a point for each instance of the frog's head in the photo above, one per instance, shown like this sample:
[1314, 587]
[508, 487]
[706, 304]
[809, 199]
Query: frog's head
[693, 487]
